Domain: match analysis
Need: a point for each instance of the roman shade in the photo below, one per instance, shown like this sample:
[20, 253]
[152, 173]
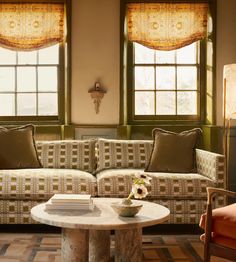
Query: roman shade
[166, 26]
[30, 26]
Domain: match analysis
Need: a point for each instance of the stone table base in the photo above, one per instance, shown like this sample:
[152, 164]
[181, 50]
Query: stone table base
[74, 245]
[99, 245]
[128, 245]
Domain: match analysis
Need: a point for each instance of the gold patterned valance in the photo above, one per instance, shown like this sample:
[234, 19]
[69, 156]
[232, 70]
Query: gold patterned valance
[29, 26]
[166, 26]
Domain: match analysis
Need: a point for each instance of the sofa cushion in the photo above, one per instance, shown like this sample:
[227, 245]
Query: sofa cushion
[74, 154]
[17, 148]
[173, 152]
[117, 183]
[123, 153]
[41, 184]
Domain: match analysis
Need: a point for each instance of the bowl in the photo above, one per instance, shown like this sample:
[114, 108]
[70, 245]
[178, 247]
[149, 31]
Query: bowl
[126, 210]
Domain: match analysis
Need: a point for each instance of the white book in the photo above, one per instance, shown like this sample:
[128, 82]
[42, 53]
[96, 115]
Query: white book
[69, 203]
[68, 206]
[64, 198]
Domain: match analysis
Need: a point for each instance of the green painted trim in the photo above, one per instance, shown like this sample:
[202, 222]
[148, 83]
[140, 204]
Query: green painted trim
[145, 131]
[69, 132]
[213, 138]
[122, 112]
[202, 81]
[68, 71]
[123, 132]
[213, 10]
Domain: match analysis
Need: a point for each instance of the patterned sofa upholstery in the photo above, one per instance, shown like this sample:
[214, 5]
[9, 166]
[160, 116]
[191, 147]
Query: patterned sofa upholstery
[184, 194]
[103, 168]
[68, 168]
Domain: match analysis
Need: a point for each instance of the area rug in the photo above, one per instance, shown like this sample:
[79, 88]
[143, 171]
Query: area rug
[46, 248]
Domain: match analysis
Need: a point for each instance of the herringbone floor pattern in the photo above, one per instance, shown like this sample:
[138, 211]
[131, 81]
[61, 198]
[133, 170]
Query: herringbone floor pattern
[46, 248]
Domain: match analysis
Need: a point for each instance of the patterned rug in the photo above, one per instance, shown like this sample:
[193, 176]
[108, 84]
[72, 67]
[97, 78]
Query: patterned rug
[46, 248]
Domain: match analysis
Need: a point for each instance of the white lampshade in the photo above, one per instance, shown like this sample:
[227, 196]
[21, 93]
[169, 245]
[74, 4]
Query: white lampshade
[230, 91]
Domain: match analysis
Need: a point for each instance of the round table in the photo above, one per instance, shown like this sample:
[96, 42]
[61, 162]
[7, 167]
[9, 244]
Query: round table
[86, 234]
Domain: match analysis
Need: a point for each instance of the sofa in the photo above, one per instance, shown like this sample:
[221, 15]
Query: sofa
[104, 168]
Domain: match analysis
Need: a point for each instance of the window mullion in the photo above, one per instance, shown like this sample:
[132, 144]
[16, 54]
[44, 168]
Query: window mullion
[37, 93]
[16, 87]
[155, 85]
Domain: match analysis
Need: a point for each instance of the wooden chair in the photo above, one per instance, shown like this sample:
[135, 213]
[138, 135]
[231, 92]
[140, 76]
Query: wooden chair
[220, 227]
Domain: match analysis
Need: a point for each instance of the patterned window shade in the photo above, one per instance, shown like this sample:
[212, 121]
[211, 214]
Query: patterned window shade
[31, 26]
[166, 26]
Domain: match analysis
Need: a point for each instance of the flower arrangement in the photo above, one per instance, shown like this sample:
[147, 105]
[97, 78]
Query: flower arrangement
[139, 189]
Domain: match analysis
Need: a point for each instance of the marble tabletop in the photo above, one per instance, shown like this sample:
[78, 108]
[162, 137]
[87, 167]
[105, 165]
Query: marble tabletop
[103, 217]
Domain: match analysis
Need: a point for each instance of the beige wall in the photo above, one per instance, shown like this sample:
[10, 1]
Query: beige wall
[225, 46]
[95, 57]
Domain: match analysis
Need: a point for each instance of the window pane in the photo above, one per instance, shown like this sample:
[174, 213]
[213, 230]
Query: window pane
[165, 77]
[165, 103]
[47, 78]
[26, 79]
[7, 103]
[144, 77]
[209, 53]
[7, 79]
[49, 55]
[144, 103]
[187, 54]
[26, 104]
[187, 103]
[165, 57]
[47, 104]
[26, 58]
[143, 55]
[187, 77]
[7, 57]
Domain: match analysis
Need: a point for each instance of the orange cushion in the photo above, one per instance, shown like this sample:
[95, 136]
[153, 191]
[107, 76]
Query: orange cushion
[223, 221]
[223, 241]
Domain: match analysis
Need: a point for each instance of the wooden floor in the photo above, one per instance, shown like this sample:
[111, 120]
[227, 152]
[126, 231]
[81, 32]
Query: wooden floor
[36, 247]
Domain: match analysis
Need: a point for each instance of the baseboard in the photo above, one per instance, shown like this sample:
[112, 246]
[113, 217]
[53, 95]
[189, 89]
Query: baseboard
[31, 228]
[166, 229]
[175, 229]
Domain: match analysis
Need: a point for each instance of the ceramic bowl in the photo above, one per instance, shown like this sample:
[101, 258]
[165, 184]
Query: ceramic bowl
[126, 210]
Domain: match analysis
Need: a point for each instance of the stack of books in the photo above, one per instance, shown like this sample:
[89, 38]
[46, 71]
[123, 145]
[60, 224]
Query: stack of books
[70, 202]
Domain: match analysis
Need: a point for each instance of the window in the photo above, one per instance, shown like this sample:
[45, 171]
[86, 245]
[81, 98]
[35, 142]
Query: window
[165, 59]
[166, 82]
[33, 61]
[29, 82]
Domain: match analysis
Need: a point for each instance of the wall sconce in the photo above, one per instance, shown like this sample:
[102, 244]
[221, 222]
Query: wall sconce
[97, 93]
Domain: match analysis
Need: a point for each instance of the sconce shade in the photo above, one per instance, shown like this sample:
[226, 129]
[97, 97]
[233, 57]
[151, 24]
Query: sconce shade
[230, 91]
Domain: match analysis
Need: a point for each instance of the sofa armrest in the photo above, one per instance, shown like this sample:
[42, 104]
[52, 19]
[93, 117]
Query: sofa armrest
[211, 165]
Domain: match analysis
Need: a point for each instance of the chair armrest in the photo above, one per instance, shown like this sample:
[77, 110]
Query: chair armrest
[211, 191]
[211, 165]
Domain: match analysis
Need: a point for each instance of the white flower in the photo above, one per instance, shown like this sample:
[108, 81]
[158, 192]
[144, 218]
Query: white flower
[143, 177]
[139, 191]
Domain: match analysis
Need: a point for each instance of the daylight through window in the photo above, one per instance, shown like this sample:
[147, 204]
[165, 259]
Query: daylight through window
[166, 82]
[29, 82]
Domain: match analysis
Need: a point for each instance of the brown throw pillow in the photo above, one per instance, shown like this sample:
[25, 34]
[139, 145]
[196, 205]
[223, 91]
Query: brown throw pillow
[17, 148]
[173, 152]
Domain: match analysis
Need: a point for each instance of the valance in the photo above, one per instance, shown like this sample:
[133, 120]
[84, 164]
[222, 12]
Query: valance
[30, 26]
[166, 26]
